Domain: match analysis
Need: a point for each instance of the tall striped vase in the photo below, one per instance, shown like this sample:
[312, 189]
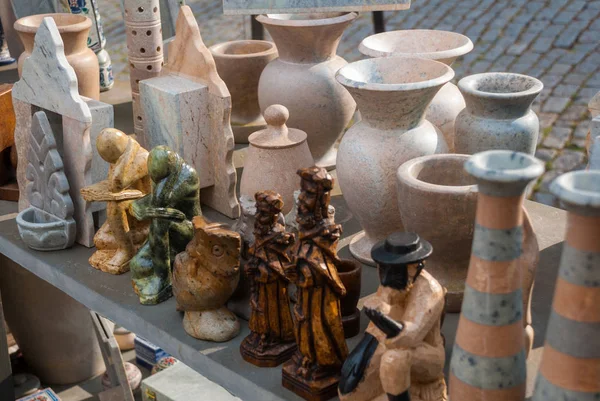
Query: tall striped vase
[570, 366]
[488, 359]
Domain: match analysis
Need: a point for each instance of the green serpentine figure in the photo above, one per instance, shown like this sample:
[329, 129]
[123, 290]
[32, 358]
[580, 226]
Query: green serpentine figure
[173, 202]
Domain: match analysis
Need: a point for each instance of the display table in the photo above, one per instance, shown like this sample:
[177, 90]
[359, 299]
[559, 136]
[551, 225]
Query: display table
[113, 297]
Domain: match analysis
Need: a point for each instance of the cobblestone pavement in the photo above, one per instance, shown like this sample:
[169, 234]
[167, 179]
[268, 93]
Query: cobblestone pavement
[557, 41]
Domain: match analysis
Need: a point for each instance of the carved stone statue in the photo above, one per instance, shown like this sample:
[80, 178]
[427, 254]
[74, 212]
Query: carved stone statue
[170, 207]
[271, 340]
[313, 372]
[121, 235]
[402, 352]
[204, 277]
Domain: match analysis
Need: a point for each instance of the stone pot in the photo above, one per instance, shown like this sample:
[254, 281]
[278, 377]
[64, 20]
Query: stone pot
[54, 332]
[44, 231]
[302, 78]
[274, 157]
[443, 46]
[488, 358]
[498, 113]
[239, 64]
[437, 199]
[392, 99]
[350, 274]
[572, 340]
[74, 30]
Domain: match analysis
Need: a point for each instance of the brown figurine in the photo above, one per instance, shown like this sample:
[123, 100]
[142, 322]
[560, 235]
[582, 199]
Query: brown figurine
[402, 352]
[271, 340]
[121, 235]
[314, 370]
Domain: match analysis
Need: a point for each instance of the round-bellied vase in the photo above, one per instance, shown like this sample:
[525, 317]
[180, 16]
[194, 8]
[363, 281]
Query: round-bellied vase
[489, 354]
[74, 30]
[302, 78]
[239, 64]
[570, 364]
[498, 113]
[392, 99]
[443, 46]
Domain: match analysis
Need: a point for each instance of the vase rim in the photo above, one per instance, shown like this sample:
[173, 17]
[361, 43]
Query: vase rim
[406, 174]
[351, 74]
[66, 23]
[336, 18]
[504, 166]
[580, 188]
[476, 85]
[221, 48]
[409, 43]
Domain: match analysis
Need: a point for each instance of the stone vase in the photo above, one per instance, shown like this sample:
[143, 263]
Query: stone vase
[489, 354]
[570, 364]
[74, 30]
[435, 189]
[498, 113]
[302, 78]
[443, 46]
[240, 64]
[350, 274]
[55, 332]
[392, 99]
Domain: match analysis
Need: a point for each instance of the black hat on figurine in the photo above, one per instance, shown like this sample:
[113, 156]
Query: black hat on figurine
[401, 248]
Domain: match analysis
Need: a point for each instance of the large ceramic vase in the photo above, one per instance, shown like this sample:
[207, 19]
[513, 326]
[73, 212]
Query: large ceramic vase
[498, 113]
[302, 78]
[570, 365]
[240, 64]
[74, 30]
[443, 46]
[54, 332]
[392, 98]
[489, 354]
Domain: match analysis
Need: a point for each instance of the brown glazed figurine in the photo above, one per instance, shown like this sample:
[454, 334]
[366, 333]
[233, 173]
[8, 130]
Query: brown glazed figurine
[121, 235]
[314, 371]
[204, 277]
[402, 352]
[271, 340]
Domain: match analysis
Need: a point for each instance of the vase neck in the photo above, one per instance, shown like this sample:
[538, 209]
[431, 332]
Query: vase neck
[307, 44]
[499, 212]
[393, 110]
[74, 42]
[498, 108]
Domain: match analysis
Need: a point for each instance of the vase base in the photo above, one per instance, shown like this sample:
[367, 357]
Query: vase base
[360, 248]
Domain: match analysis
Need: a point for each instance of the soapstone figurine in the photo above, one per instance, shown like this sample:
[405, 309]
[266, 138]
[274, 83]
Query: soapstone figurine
[402, 351]
[48, 224]
[170, 207]
[121, 235]
[314, 370]
[271, 340]
[204, 277]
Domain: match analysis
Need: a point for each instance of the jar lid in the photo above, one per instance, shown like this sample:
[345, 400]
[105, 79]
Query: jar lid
[277, 135]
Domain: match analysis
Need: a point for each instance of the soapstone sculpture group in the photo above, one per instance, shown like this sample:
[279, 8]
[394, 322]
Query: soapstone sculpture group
[421, 142]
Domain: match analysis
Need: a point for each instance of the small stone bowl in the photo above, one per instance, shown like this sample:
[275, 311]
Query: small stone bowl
[43, 231]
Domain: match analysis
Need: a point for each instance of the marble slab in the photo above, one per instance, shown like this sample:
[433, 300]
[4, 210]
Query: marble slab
[49, 83]
[250, 7]
[190, 64]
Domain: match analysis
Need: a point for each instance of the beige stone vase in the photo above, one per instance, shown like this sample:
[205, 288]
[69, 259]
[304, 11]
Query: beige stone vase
[274, 156]
[392, 98]
[74, 30]
[302, 78]
[441, 46]
[437, 198]
[239, 64]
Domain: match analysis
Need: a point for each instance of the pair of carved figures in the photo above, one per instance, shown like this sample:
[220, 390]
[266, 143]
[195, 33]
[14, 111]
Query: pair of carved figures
[314, 328]
[151, 199]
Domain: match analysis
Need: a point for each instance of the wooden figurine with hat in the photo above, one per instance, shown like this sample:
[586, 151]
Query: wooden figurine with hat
[402, 351]
[314, 370]
[271, 340]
